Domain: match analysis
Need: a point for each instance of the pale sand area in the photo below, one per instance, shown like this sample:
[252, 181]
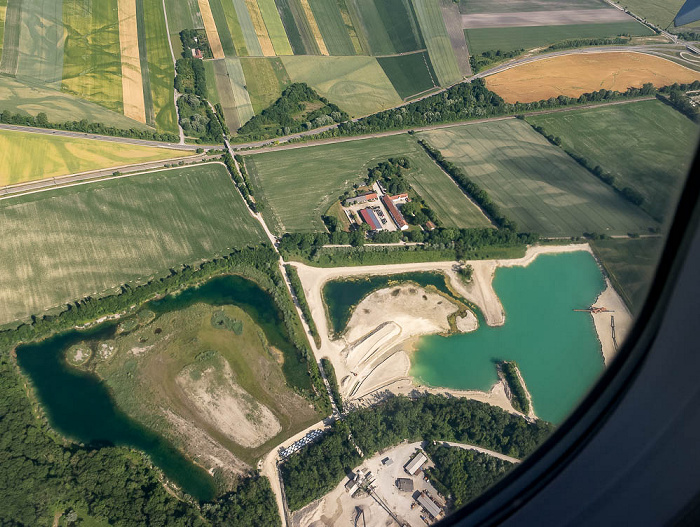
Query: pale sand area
[210, 27]
[622, 317]
[132, 81]
[372, 356]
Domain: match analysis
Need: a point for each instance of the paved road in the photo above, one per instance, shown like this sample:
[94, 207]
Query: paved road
[30, 187]
[122, 140]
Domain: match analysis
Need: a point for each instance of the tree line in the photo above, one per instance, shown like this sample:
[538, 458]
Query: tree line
[298, 289]
[319, 467]
[240, 178]
[329, 370]
[190, 77]
[518, 398]
[84, 126]
[485, 59]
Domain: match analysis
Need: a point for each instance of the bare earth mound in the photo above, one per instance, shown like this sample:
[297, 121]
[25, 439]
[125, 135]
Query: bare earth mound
[573, 75]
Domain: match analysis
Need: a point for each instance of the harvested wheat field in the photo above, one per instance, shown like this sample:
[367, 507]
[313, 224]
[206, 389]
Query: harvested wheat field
[573, 75]
[132, 80]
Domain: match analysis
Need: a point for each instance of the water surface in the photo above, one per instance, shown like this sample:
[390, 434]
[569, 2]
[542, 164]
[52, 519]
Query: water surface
[557, 349]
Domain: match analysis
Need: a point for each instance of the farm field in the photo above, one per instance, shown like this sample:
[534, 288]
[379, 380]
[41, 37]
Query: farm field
[103, 234]
[275, 29]
[215, 44]
[510, 6]
[437, 41]
[3, 8]
[409, 74]
[647, 146]
[535, 183]
[60, 156]
[11, 34]
[386, 26]
[659, 12]
[29, 97]
[265, 79]
[260, 29]
[182, 14]
[92, 60]
[224, 91]
[631, 264]
[357, 84]
[160, 66]
[332, 27]
[226, 24]
[132, 79]
[573, 75]
[312, 23]
[531, 37]
[241, 98]
[41, 41]
[297, 186]
[298, 32]
[252, 44]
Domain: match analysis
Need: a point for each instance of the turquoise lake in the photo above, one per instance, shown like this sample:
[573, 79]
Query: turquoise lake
[557, 349]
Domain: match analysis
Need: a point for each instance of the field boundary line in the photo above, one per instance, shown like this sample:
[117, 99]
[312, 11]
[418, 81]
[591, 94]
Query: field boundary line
[98, 179]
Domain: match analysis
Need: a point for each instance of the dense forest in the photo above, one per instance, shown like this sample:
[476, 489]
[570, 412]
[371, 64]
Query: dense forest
[191, 77]
[462, 475]
[298, 109]
[319, 467]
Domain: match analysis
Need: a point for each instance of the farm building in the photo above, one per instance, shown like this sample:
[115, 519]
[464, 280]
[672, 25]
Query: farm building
[401, 198]
[404, 484]
[363, 198]
[429, 505]
[395, 213]
[370, 218]
[413, 466]
[430, 225]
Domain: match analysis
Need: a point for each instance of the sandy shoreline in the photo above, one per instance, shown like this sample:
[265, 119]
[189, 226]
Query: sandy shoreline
[373, 355]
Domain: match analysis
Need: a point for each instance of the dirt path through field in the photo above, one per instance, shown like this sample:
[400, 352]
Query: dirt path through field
[132, 80]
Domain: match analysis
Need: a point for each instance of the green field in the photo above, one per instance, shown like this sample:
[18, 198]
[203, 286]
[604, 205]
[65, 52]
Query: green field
[333, 30]
[212, 86]
[161, 71]
[92, 67]
[182, 14]
[514, 38]
[61, 245]
[535, 183]
[3, 8]
[41, 41]
[659, 12]
[233, 28]
[143, 61]
[223, 25]
[647, 146]
[409, 74]
[221, 84]
[241, 97]
[11, 34]
[437, 41]
[297, 186]
[274, 26]
[252, 44]
[357, 84]
[510, 6]
[265, 79]
[291, 27]
[631, 265]
[63, 155]
[28, 97]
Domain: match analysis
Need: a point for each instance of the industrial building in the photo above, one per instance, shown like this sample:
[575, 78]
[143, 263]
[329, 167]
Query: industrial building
[362, 198]
[429, 505]
[371, 219]
[404, 484]
[413, 466]
[394, 213]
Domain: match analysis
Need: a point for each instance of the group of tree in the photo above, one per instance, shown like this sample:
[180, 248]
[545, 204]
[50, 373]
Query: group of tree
[319, 467]
[190, 77]
[240, 178]
[42, 121]
[296, 110]
[329, 370]
[42, 474]
[199, 120]
[474, 191]
[298, 289]
[461, 475]
[518, 397]
[195, 39]
[678, 98]
[619, 40]
[481, 62]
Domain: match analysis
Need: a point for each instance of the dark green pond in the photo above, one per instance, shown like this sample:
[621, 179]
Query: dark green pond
[342, 296]
[80, 406]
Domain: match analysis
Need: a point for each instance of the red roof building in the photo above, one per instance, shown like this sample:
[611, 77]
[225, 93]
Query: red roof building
[395, 213]
[370, 218]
